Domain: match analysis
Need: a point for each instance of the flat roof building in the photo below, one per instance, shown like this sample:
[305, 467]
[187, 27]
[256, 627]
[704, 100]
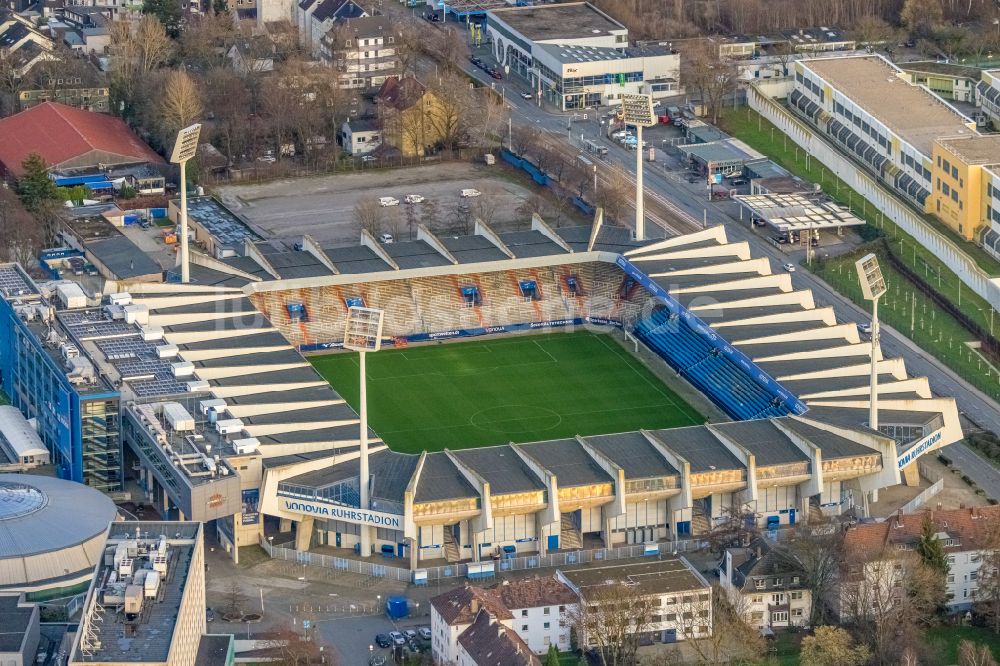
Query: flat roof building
[19, 631]
[147, 602]
[577, 56]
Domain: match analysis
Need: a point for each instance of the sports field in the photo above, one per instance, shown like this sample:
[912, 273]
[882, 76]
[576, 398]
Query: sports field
[465, 394]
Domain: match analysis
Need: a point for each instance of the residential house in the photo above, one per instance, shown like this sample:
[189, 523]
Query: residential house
[361, 135]
[537, 612]
[252, 54]
[84, 29]
[410, 115]
[315, 18]
[489, 642]
[72, 81]
[21, 44]
[878, 556]
[362, 51]
[679, 597]
[767, 584]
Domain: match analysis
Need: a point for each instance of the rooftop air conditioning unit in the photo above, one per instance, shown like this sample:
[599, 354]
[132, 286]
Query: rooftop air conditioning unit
[182, 369]
[152, 333]
[197, 386]
[166, 351]
[229, 426]
[245, 446]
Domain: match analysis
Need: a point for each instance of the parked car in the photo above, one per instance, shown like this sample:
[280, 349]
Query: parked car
[368, 158]
[388, 201]
[527, 96]
[397, 638]
[865, 328]
[413, 198]
[386, 239]
[425, 633]
[737, 182]
[470, 192]
[410, 633]
[495, 73]
[383, 640]
[209, 615]
[377, 660]
[781, 240]
[789, 267]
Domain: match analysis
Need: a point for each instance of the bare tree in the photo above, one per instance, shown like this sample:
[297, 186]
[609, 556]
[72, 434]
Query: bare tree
[487, 204]
[136, 50]
[975, 654]
[709, 76]
[181, 104]
[22, 236]
[368, 215]
[287, 647]
[615, 194]
[611, 620]
[921, 16]
[818, 551]
[234, 600]
[728, 638]
[832, 646]
[987, 595]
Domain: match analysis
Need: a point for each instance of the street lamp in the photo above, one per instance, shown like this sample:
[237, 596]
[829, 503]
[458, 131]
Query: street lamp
[872, 288]
[185, 147]
[638, 110]
[363, 333]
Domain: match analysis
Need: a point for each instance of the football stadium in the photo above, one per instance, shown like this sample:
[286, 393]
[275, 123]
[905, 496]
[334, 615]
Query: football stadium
[537, 391]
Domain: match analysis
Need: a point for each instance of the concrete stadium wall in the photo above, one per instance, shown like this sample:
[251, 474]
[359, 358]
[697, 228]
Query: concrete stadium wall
[891, 206]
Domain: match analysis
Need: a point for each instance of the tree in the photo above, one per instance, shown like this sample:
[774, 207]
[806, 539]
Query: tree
[987, 595]
[920, 16]
[180, 105]
[611, 620]
[430, 216]
[711, 77]
[730, 637]
[930, 549]
[21, 235]
[234, 600]
[975, 654]
[136, 50]
[287, 647]
[207, 39]
[368, 215]
[819, 553]
[615, 194]
[874, 30]
[35, 188]
[832, 646]
[168, 12]
[552, 658]
[486, 205]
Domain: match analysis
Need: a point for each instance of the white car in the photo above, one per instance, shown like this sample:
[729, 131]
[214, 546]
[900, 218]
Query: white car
[789, 267]
[865, 328]
[368, 158]
[526, 96]
[425, 633]
[397, 638]
[470, 193]
[410, 633]
[386, 239]
[413, 198]
[388, 201]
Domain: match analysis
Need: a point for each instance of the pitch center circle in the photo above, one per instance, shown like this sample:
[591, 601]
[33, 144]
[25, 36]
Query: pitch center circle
[515, 419]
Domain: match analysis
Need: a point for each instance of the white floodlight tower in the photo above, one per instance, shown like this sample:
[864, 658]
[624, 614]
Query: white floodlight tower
[638, 110]
[185, 148]
[363, 334]
[872, 288]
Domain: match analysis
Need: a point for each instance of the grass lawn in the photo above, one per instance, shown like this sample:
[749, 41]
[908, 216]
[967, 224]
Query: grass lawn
[910, 312]
[948, 638]
[520, 389]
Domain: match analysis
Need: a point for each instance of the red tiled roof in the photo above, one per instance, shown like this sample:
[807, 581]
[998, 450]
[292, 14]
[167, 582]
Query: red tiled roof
[400, 94]
[972, 527]
[490, 643]
[60, 133]
[462, 604]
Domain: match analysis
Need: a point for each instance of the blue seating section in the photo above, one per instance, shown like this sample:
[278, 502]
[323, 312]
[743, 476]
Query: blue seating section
[694, 357]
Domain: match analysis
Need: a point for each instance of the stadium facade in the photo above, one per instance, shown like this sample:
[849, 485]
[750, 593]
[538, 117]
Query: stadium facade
[225, 420]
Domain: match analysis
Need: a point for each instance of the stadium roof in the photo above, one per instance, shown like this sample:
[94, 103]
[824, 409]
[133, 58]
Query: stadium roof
[64, 134]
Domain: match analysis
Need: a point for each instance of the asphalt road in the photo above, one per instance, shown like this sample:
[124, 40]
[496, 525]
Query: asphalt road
[689, 207]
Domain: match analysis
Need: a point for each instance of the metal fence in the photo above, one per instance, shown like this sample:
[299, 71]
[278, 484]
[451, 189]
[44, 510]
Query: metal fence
[375, 569]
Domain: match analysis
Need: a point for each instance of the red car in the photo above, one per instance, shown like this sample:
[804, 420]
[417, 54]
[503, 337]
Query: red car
[496, 74]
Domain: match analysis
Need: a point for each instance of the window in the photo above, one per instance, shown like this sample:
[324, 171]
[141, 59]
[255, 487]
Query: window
[757, 599]
[546, 625]
[798, 612]
[547, 640]
[759, 583]
[779, 616]
[951, 578]
[562, 609]
[671, 617]
[797, 594]
[954, 172]
[524, 613]
[524, 627]
[546, 610]
[795, 580]
[974, 575]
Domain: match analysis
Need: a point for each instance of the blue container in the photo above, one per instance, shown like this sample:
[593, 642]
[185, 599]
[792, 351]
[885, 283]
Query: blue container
[397, 608]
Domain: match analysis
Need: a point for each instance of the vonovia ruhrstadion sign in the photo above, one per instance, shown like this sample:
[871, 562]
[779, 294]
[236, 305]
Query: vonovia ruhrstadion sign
[345, 513]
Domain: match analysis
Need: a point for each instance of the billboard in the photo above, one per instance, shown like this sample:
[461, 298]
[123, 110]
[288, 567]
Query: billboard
[251, 502]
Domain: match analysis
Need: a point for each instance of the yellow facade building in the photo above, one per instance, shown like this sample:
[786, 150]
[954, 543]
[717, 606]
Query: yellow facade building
[963, 182]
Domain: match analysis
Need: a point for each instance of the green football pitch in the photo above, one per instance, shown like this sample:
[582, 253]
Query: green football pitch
[522, 389]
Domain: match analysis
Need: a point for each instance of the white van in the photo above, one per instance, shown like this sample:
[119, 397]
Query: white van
[470, 193]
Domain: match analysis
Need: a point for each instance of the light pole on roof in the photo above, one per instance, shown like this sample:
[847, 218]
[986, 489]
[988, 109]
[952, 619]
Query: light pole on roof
[185, 148]
[363, 334]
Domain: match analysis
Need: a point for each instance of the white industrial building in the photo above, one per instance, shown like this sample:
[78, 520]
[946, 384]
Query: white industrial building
[577, 56]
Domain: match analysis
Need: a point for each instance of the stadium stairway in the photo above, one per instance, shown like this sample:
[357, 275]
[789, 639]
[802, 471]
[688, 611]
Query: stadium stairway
[452, 553]
[569, 534]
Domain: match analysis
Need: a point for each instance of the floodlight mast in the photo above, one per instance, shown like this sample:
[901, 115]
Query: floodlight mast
[363, 333]
[872, 288]
[185, 148]
[638, 110]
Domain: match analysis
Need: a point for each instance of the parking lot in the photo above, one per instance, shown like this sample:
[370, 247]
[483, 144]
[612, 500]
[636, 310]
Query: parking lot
[323, 207]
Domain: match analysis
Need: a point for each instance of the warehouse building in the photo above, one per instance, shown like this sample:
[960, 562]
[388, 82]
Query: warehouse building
[577, 56]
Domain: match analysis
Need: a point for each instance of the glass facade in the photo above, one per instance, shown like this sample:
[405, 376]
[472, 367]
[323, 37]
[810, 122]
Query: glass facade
[101, 444]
